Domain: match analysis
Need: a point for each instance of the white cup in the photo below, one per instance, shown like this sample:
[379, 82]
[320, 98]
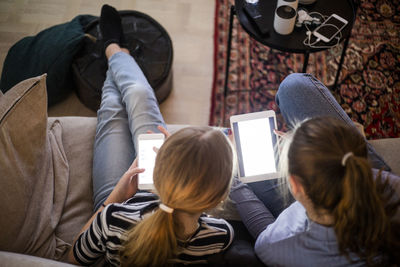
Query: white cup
[292, 3]
[284, 20]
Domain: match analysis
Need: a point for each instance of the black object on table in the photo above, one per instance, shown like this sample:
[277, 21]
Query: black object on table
[293, 42]
[147, 41]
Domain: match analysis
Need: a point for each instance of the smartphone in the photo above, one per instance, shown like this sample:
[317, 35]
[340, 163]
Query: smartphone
[330, 28]
[147, 157]
[255, 16]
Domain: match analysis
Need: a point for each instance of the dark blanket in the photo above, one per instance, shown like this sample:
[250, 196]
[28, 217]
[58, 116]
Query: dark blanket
[51, 51]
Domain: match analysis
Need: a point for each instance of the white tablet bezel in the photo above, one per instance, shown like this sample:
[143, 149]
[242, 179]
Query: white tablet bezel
[151, 136]
[252, 116]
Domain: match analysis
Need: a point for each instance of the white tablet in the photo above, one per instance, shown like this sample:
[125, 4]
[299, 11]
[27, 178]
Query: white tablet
[256, 145]
[147, 157]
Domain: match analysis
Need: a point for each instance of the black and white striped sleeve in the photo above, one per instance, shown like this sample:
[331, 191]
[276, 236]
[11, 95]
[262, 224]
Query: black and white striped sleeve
[91, 244]
[227, 229]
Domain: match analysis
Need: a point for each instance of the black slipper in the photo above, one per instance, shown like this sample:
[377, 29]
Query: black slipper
[110, 26]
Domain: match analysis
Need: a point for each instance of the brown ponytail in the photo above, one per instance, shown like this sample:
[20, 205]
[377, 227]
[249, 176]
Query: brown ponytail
[360, 217]
[361, 206]
[192, 174]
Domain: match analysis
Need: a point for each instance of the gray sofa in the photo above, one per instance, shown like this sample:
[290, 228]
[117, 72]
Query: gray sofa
[71, 138]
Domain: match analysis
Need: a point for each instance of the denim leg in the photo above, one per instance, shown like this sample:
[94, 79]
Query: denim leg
[269, 192]
[113, 148]
[302, 96]
[137, 95]
[128, 108]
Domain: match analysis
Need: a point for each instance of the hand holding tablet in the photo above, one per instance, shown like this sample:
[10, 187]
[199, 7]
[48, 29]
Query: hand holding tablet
[256, 144]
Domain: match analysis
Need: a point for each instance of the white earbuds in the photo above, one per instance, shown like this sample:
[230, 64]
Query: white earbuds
[303, 15]
[304, 18]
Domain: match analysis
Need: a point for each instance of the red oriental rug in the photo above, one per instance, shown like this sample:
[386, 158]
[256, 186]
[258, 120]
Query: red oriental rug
[369, 84]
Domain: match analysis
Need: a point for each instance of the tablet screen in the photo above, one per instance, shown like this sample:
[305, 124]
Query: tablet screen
[255, 143]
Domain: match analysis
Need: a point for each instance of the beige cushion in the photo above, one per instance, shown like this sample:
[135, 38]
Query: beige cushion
[389, 149]
[34, 172]
[78, 137]
[18, 260]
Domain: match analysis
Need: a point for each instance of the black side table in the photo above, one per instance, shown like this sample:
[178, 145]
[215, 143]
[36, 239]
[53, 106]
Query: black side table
[293, 42]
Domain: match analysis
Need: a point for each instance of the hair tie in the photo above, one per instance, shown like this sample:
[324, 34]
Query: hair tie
[345, 157]
[166, 208]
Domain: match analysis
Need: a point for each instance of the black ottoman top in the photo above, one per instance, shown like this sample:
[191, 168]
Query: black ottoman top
[147, 41]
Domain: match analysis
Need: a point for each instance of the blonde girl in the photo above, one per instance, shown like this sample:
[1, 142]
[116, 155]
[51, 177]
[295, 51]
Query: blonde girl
[192, 174]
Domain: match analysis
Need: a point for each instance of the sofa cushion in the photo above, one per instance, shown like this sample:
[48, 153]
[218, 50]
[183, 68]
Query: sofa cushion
[78, 138]
[17, 260]
[34, 172]
[389, 149]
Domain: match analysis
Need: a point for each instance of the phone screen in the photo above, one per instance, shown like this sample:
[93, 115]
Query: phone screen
[147, 158]
[329, 31]
[255, 143]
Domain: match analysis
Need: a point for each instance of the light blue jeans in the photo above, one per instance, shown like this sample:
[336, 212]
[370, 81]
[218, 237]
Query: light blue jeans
[128, 108]
[302, 96]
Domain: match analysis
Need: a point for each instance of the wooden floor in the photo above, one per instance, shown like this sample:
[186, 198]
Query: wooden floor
[190, 24]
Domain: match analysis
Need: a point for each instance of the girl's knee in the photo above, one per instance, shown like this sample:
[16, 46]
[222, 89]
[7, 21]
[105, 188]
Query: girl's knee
[139, 92]
[287, 86]
[296, 83]
[111, 101]
[294, 80]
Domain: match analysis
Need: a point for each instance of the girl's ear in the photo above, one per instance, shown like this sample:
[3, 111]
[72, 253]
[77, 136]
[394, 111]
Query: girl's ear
[296, 187]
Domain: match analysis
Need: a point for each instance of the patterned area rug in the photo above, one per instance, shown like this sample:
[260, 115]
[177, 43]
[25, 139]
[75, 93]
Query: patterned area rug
[369, 84]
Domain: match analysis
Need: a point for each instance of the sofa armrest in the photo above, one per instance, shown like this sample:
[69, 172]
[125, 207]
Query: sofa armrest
[16, 260]
[389, 149]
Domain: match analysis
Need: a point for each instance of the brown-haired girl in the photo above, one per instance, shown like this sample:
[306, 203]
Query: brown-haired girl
[192, 174]
[345, 212]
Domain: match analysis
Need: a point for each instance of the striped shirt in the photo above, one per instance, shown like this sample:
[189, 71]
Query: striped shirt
[107, 233]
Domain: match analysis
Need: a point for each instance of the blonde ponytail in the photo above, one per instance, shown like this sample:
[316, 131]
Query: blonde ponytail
[192, 174]
[145, 240]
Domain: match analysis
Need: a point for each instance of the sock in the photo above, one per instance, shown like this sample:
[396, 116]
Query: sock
[110, 26]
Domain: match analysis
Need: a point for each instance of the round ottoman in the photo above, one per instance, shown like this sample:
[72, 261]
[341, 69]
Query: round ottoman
[148, 42]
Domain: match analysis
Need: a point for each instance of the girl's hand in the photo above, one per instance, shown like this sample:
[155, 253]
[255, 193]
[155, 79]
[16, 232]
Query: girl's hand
[162, 130]
[279, 133]
[230, 136]
[126, 186]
